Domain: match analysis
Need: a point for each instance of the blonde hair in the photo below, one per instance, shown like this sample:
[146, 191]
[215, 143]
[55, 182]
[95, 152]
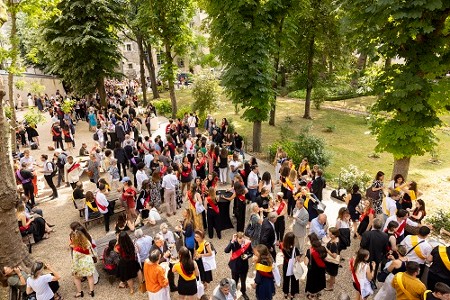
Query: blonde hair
[292, 175]
[80, 240]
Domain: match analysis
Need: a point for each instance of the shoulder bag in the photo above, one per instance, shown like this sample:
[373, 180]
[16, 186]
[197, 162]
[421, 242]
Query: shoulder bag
[209, 262]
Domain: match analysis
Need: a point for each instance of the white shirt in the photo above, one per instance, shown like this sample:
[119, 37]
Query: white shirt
[190, 149]
[191, 121]
[394, 218]
[100, 198]
[170, 182]
[140, 177]
[154, 215]
[234, 165]
[41, 287]
[389, 207]
[252, 181]
[425, 249]
[148, 159]
[48, 168]
[29, 161]
[74, 175]
[168, 236]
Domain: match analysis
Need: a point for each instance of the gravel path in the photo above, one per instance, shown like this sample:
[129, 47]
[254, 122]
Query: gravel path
[61, 212]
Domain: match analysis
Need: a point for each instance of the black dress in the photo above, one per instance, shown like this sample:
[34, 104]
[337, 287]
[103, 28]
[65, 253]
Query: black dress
[206, 276]
[332, 269]
[315, 278]
[352, 205]
[128, 267]
[290, 284]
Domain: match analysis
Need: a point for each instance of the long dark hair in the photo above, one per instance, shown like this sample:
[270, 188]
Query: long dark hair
[126, 244]
[186, 260]
[266, 177]
[112, 243]
[264, 256]
[316, 244]
[360, 258]
[36, 268]
[288, 241]
[379, 175]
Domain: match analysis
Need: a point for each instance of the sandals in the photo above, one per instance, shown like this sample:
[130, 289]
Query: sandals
[79, 295]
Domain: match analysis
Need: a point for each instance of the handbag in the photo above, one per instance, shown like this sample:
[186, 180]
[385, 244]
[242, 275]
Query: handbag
[375, 195]
[199, 208]
[300, 270]
[200, 288]
[276, 274]
[209, 262]
[290, 266]
[142, 287]
[381, 277]
[334, 260]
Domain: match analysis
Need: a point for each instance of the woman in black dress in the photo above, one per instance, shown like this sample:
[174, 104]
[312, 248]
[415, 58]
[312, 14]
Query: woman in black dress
[128, 267]
[352, 199]
[188, 270]
[291, 286]
[332, 250]
[240, 201]
[315, 260]
[186, 174]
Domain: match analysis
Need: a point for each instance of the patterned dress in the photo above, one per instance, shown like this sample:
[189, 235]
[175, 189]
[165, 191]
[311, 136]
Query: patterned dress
[155, 193]
[82, 262]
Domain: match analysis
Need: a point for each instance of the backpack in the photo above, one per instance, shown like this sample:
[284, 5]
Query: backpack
[60, 162]
[53, 167]
[95, 136]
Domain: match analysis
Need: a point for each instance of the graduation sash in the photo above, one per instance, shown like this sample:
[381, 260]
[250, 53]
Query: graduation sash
[415, 245]
[264, 270]
[212, 204]
[444, 256]
[240, 251]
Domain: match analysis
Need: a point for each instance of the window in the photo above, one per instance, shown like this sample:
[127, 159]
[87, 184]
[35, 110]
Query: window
[128, 47]
[130, 66]
[160, 57]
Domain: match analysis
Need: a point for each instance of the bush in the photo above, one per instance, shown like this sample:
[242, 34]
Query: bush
[300, 94]
[352, 175]
[163, 107]
[318, 96]
[183, 110]
[440, 219]
[206, 93]
[67, 105]
[304, 145]
[231, 126]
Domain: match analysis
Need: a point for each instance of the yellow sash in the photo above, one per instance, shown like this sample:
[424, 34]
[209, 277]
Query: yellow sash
[417, 250]
[306, 203]
[201, 247]
[385, 209]
[444, 256]
[399, 280]
[288, 184]
[89, 204]
[263, 268]
[412, 195]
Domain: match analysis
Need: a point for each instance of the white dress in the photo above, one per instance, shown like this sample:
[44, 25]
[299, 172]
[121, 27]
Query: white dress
[366, 288]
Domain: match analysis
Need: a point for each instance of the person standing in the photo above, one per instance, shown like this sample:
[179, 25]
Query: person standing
[188, 270]
[291, 254]
[264, 279]
[72, 172]
[241, 250]
[82, 262]
[140, 175]
[301, 219]
[128, 267]
[376, 242]
[103, 205]
[61, 160]
[25, 177]
[407, 285]
[169, 184]
[48, 171]
[252, 183]
[318, 185]
[440, 268]
[315, 259]
[213, 216]
[239, 198]
[268, 236]
[418, 247]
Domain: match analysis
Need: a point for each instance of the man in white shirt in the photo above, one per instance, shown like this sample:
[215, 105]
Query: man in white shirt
[389, 204]
[401, 217]
[191, 122]
[148, 158]
[102, 205]
[72, 172]
[418, 247]
[169, 184]
[252, 183]
[140, 175]
[190, 149]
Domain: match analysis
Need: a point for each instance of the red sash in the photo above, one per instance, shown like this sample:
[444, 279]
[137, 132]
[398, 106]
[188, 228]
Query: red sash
[73, 167]
[241, 197]
[241, 251]
[184, 271]
[145, 147]
[81, 250]
[281, 207]
[201, 164]
[55, 133]
[102, 207]
[317, 259]
[212, 204]
[190, 198]
[401, 228]
[352, 270]
[187, 172]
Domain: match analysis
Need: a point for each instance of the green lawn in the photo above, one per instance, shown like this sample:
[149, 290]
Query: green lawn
[350, 143]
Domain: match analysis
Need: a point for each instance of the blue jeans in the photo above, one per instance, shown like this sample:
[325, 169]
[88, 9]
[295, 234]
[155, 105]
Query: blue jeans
[252, 194]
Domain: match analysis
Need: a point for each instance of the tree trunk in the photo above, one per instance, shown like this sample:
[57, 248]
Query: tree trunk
[13, 251]
[401, 166]
[283, 76]
[142, 70]
[310, 79]
[170, 76]
[151, 70]
[12, 69]
[387, 63]
[102, 92]
[257, 136]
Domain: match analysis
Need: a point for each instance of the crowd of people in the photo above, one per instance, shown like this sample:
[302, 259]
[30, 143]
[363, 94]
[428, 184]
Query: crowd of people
[190, 171]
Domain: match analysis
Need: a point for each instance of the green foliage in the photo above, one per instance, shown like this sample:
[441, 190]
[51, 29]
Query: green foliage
[242, 37]
[68, 105]
[300, 94]
[20, 84]
[82, 43]
[416, 31]
[183, 110]
[163, 107]
[330, 128]
[37, 88]
[206, 93]
[304, 145]
[8, 112]
[319, 95]
[352, 175]
[231, 126]
[33, 117]
[440, 219]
